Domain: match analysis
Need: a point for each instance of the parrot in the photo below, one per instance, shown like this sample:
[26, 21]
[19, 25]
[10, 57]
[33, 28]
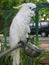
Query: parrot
[20, 28]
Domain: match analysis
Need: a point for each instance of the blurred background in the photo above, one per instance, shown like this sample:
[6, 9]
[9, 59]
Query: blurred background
[6, 5]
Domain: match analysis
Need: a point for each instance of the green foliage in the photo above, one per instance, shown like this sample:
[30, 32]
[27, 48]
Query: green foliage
[8, 4]
[6, 60]
[42, 12]
[25, 60]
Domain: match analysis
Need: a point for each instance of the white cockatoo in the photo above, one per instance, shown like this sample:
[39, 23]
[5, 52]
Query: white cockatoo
[19, 28]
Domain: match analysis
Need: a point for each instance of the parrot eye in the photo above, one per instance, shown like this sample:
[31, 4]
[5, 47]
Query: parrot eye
[30, 8]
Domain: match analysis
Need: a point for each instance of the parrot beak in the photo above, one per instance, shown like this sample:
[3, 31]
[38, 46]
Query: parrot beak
[18, 7]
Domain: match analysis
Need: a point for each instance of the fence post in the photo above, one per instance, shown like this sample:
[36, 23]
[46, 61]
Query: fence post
[39, 6]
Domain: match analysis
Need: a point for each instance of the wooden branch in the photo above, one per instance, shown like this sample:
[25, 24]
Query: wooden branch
[10, 50]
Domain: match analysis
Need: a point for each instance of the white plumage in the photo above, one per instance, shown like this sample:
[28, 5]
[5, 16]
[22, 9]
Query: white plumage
[48, 1]
[19, 28]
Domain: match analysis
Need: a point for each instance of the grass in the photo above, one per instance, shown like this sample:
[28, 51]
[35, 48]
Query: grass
[25, 60]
